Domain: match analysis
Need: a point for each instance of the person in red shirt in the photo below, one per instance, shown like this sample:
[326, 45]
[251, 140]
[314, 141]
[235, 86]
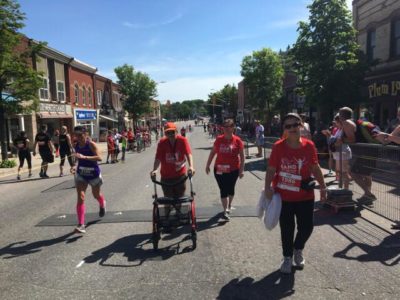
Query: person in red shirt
[229, 164]
[292, 162]
[110, 147]
[173, 151]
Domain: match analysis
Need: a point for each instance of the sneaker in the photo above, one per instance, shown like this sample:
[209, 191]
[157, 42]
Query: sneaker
[80, 229]
[41, 174]
[30, 175]
[298, 258]
[286, 266]
[45, 176]
[226, 216]
[18, 177]
[102, 211]
[61, 174]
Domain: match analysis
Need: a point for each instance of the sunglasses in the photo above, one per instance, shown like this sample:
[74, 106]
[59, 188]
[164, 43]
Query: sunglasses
[228, 126]
[294, 125]
[170, 133]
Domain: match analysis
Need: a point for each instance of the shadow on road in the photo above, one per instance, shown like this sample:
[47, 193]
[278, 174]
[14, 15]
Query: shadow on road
[7, 181]
[255, 165]
[204, 148]
[273, 286]
[17, 249]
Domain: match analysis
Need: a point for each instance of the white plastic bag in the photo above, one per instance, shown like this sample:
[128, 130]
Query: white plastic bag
[262, 205]
[273, 212]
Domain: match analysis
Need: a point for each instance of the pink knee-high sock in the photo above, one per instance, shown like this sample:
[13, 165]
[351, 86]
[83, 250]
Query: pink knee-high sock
[101, 200]
[80, 211]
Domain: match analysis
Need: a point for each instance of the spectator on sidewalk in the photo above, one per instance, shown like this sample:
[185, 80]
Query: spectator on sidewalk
[66, 149]
[21, 142]
[393, 123]
[110, 147]
[229, 164]
[259, 137]
[46, 150]
[305, 129]
[292, 162]
[117, 139]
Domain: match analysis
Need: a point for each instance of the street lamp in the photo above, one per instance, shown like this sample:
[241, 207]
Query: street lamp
[159, 111]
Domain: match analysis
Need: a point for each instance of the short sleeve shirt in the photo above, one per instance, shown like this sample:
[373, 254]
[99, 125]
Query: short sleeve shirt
[173, 157]
[259, 130]
[43, 140]
[227, 154]
[292, 166]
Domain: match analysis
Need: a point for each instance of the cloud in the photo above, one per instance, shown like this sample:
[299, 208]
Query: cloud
[152, 25]
[187, 88]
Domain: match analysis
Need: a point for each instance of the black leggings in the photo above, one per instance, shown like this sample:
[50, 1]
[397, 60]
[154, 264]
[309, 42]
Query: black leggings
[227, 182]
[69, 157]
[22, 155]
[304, 213]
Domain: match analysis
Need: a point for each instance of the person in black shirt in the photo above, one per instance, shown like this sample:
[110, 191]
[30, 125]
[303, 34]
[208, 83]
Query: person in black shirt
[65, 149]
[46, 150]
[21, 142]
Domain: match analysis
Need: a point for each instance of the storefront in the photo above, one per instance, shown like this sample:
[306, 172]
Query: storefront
[54, 115]
[88, 119]
[106, 123]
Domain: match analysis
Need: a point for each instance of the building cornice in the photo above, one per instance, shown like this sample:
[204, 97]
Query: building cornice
[83, 66]
[53, 53]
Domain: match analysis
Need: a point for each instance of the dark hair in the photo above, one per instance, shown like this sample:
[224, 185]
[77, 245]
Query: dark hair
[292, 116]
[22, 133]
[80, 128]
[43, 127]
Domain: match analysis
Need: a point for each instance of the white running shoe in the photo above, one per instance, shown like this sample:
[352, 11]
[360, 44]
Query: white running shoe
[80, 229]
[299, 260]
[286, 266]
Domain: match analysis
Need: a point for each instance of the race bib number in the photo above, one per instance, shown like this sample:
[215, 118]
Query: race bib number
[289, 182]
[223, 169]
[20, 145]
[86, 171]
[41, 143]
[170, 158]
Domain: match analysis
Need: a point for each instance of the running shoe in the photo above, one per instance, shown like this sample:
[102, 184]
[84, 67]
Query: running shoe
[45, 176]
[41, 174]
[102, 211]
[286, 266]
[18, 177]
[226, 216]
[298, 258]
[30, 175]
[80, 229]
[61, 174]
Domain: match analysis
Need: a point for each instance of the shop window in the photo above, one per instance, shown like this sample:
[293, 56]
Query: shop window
[89, 96]
[60, 91]
[395, 47]
[84, 95]
[99, 97]
[76, 93]
[371, 44]
[44, 90]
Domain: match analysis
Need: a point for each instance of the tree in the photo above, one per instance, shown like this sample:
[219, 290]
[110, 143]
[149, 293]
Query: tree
[19, 83]
[263, 76]
[327, 58]
[137, 89]
[226, 98]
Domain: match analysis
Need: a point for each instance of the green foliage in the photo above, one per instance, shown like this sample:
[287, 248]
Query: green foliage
[19, 83]
[263, 75]
[7, 164]
[138, 89]
[185, 110]
[225, 98]
[328, 61]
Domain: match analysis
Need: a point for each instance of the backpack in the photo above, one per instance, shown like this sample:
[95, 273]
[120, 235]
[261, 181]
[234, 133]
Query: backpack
[365, 132]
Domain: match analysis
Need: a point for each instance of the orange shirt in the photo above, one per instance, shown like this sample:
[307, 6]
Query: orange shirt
[227, 154]
[292, 166]
[173, 158]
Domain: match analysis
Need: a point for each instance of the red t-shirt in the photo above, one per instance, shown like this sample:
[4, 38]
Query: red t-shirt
[173, 158]
[227, 154]
[110, 143]
[292, 166]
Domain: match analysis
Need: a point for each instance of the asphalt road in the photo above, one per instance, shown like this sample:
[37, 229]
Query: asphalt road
[349, 256]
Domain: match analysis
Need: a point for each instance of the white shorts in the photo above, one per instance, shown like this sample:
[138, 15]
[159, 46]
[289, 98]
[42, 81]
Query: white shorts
[92, 182]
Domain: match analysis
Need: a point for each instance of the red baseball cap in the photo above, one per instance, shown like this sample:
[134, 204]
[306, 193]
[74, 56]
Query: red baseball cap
[169, 126]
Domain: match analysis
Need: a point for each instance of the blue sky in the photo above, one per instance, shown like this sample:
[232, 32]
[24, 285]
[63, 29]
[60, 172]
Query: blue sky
[191, 46]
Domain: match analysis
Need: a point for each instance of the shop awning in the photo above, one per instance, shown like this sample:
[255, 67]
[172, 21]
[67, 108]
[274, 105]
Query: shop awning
[108, 118]
[47, 115]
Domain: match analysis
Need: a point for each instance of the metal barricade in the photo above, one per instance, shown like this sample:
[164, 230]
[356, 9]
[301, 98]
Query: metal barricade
[269, 141]
[375, 178]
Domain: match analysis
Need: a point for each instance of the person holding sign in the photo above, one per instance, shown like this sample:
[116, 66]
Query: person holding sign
[229, 164]
[292, 162]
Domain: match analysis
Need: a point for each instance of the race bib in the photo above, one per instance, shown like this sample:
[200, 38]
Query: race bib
[20, 145]
[86, 171]
[41, 143]
[223, 169]
[289, 182]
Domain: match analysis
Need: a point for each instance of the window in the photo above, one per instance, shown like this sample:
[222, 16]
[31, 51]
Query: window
[89, 96]
[76, 93]
[84, 95]
[60, 91]
[371, 44]
[99, 97]
[44, 90]
[396, 38]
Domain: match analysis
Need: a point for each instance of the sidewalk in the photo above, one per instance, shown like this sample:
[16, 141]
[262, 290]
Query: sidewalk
[36, 162]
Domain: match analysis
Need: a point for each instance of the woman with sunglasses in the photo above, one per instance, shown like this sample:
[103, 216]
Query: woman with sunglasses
[87, 172]
[229, 164]
[292, 162]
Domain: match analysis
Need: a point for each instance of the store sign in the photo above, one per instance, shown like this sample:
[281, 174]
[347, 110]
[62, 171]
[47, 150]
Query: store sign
[86, 114]
[391, 88]
[52, 108]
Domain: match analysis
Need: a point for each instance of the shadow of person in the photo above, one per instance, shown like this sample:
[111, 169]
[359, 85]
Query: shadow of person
[386, 251]
[133, 248]
[274, 286]
[214, 221]
[325, 215]
[15, 251]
